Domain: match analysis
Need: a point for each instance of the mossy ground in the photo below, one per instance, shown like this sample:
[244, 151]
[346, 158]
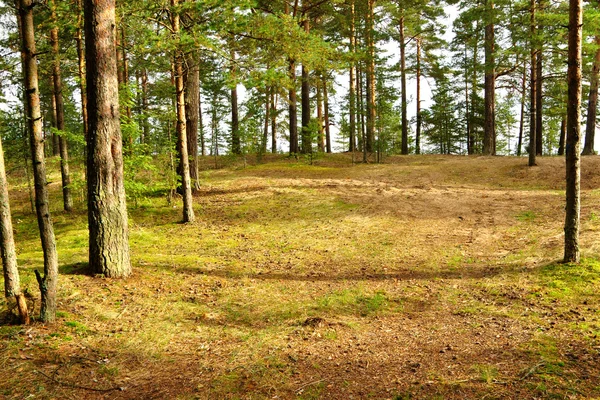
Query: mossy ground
[425, 277]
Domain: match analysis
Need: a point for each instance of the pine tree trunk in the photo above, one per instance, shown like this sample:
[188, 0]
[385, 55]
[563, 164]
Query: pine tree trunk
[12, 284]
[321, 132]
[107, 209]
[145, 107]
[201, 126]
[182, 146]
[522, 118]
[265, 138]
[235, 119]
[81, 71]
[326, 116]
[419, 116]
[306, 134]
[539, 128]
[563, 136]
[192, 110]
[274, 99]
[489, 134]
[60, 113]
[404, 149]
[533, 89]
[352, 94]
[592, 109]
[293, 109]
[47, 283]
[371, 100]
[573, 133]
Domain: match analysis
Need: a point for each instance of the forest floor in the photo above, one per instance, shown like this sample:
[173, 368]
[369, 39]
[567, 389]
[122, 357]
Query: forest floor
[425, 277]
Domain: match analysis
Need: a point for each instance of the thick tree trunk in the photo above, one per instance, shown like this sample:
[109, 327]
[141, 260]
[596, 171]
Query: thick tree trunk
[489, 134]
[563, 136]
[352, 94]
[371, 100]
[419, 115]
[182, 146]
[12, 283]
[592, 109]
[192, 113]
[573, 133]
[47, 283]
[107, 209]
[60, 113]
[404, 149]
[533, 89]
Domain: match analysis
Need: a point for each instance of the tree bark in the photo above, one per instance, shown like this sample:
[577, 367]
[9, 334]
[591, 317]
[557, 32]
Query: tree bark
[592, 109]
[12, 283]
[404, 148]
[201, 126]
[47, 283]
[533, 88]
[235, 119]
[107, 209]
[182, 146]
[489, 134]
[265, 138]
[192, 113]
[573, 133]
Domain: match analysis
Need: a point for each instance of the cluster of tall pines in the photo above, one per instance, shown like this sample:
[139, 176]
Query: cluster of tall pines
[116, 84]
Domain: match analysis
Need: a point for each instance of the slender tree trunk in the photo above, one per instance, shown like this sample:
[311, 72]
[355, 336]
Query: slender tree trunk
[321, 131]
[192, 110]
[274, 100]
[107, 209]
[326, 116]
[539, 128]
[60, 113]
[306, 133]
[182, 146]
[265, 138]
[475, 143]
[404, 149]
[592, 109]
[522, 118]
[563, 136]
[47, 283]
[533, 89]
[467, 106]
[573, 133]
[12, 283]
[293, 109]
[145, 139]
[201, 125]
[235, 119]
[489, 135]
[81, 71]
[371, 100]
[352, 94]
[419, 116]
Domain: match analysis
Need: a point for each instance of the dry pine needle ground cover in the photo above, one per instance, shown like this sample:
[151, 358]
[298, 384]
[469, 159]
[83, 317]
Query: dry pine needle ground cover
[425, 277]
